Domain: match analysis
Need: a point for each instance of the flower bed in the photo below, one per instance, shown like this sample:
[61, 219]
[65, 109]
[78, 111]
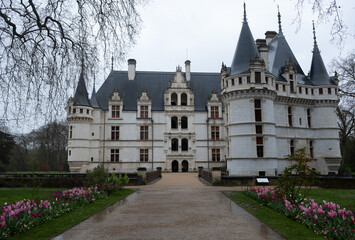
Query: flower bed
[23, 215]
[327, 219]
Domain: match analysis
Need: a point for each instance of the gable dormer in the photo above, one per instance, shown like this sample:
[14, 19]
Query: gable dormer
[290, 74]
[115, 104]
[144, 105]
[214, 106]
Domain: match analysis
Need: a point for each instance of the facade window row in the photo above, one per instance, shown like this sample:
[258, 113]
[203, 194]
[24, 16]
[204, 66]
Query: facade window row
[115, 133]
[115, 155]
[174, 122]
[306, 90]
[79, 110]
[290, 117]
[175, 144]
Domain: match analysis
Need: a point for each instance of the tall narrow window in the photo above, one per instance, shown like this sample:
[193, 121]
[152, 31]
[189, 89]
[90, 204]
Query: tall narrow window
[259, 129]
[257, 107]
[69, 152]
[311, 149]
[300, 90]
[216, 154]
[115, 132]
[71, 132]
[173, 99]
[284, 88]
[215, 133]
[81, 110]
[289, 112]
[248, 79]
[74, 110]
[321, 91]
[143, 155]
[115, 111]
[277, 87]
[174, 144]
[115, 155]
[144, 133]
[306, 91]
[329, 91]
[144, 111]
[183, 99]
[184, 123]
[292, 86]
[232, 81]
[292, 146]
[257, 77]
[174, 122]
[259, 146]
[214, 112]
[184, 144]
[309, 117]
[312, 91]
[240, 80]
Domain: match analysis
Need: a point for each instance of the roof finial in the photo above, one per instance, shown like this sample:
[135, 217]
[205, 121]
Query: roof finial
[245, 15]
[112, 63]
[279, 17]
[315, 45]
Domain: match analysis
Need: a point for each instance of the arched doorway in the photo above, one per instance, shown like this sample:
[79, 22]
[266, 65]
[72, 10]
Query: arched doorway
[185, 166]
[175, 166]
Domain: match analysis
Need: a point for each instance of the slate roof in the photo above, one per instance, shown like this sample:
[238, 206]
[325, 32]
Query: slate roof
[155, 83]
[246, 50]
[81, 94]
[318, 73]
[93, 100]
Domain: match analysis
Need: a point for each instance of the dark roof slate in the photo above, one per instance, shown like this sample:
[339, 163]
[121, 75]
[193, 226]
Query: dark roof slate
[155, 83]
[81, 93]
[280, 54]
[93, 100]
[245, 51]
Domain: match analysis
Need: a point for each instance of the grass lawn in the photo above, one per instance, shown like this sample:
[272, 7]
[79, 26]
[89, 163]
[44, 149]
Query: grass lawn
[10, 195]
[58, 225]
[289, 229]
[344, 198]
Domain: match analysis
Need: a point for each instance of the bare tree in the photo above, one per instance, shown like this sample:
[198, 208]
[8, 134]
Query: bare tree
[44, 45]
[326, 11]
[346, 75]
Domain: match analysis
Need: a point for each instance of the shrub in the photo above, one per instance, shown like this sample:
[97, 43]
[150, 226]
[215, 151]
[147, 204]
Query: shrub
[118, 181]
[298, 175]
[97, 176]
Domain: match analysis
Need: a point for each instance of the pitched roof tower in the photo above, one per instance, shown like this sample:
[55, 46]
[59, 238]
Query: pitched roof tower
[246, 50]
[318, 73]
[81, 94]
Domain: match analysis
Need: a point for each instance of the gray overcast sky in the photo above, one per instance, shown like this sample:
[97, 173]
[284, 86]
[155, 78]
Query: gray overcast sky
[206, 32]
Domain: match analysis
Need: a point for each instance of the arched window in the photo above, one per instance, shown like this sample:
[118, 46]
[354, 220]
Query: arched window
[174, 122]
[173, 99]
[174, 144]
[184, 123]
[183, 99]
[184, 144]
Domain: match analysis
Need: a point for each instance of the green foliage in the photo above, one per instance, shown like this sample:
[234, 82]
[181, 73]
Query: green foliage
[119, 181]
[297, 176]
[7, 142]
[344, 169]
[97, 176]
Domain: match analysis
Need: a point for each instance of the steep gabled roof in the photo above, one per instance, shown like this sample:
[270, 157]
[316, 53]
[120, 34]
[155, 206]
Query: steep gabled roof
[280, 53]
[246, 50]
[318, 73]
[81, 94]
[155, 83]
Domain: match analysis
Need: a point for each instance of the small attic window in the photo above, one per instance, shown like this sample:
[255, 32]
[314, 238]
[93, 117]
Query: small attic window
[74, 110]
[257, 77]
[320, 91]
[81, 110]
[240, 80]
[87, 111]
[329, 91]
[291, 77]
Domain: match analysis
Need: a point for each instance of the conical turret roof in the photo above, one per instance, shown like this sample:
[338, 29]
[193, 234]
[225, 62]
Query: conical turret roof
[246, 50]
[280, 53]
[318, 73]
[81, 94]
[93, 100]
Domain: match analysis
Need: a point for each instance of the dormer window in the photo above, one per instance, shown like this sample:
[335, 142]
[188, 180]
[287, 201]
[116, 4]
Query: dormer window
[214, 112]
[173, 99]
[144, 112]
[258, 77]
[183, 99]
[115, 112]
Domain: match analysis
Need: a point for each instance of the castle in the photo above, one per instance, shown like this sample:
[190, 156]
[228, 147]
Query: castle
[246, 118]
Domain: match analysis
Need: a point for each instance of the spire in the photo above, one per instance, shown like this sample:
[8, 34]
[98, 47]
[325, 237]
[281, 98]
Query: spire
[81, 94]
[279, 17]
[245, 15]
[315, 45]
[318, 73]
[246, 50]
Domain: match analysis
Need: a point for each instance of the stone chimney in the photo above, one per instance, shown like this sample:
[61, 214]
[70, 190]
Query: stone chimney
[269, 35]
[131, 69]
[188, 70]
[263, 50]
